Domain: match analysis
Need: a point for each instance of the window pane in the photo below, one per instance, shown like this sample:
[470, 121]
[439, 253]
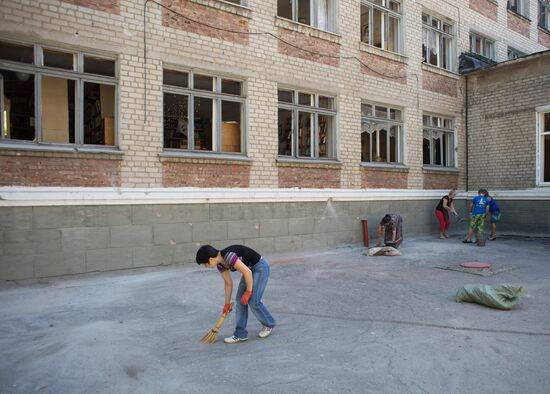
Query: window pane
[546, 169]
[445, 50]
[176, 121]
[436, 144]
[394, 144]
[305, 99]
[231, 126]
[99, 114]
[546, 127]
[381, 112]
[304, 133]
[17, 53]
[175, 78]
[284, 8]
[94, 65]
[203, 123]
[426, 120]
[365, 15]
[436, 23]
[425, 44]
[447, 123]
[434, 48]
[325, 102]
[58, 110]
[366, 109]
[394, 6]
[203, 82]
[425, 18]
[323, 14]
[395, 114]
[18, 121]
[304, 12]
[377, 28]
[325, 135]
[365, 143]
[426, 148]
[393, 34]
[58, 59]
[231, 87]
[383, 148]
[285, 132]
[286, 96]
[436, 121]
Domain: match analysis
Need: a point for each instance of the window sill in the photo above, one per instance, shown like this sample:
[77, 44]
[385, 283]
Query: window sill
[440, 170]
[35, 147]
[226, 6]
[222, 158]
[526, 19]
[293, 162]
[364, 47]
[543, 29]
[384, 167]
[440, 71]
[307, 29]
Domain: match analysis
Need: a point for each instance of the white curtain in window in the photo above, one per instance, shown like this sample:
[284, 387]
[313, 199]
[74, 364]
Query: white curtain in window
[322, 14]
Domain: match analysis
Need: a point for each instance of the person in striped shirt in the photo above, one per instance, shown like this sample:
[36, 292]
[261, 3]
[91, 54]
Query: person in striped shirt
[255, 274]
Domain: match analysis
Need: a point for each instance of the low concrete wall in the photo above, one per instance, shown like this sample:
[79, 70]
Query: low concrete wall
[42, 241]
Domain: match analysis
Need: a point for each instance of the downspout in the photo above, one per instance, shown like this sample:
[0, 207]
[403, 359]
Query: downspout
[466, 132]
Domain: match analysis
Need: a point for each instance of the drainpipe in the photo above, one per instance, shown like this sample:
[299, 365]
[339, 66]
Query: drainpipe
[466, 132]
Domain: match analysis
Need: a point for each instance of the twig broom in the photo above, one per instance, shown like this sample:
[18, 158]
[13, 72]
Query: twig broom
[212, 335]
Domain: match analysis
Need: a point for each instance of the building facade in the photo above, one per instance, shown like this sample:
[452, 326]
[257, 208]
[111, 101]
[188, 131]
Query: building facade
[269, 96]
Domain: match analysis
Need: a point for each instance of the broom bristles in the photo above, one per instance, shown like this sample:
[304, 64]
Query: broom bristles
[212, 335]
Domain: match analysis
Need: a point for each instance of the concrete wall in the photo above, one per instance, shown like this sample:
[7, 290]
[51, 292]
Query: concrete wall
[502, 128]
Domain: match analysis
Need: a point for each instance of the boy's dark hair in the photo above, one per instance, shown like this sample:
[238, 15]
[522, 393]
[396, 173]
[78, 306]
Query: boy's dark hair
[482, 191]
[204, 253]
[386, 219]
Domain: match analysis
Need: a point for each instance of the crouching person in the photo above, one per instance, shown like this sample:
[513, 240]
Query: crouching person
[255, 274]
[390, 230]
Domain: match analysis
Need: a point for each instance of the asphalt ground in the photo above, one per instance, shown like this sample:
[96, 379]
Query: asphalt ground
[346, 323]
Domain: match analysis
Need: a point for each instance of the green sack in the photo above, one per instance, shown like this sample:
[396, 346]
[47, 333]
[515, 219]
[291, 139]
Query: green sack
[499, 296]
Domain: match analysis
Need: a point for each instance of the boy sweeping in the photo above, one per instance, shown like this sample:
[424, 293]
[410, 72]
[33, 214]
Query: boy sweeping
[479, 209]
[255, 274]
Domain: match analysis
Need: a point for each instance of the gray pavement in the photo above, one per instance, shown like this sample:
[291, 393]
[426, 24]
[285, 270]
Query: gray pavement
[346, 323]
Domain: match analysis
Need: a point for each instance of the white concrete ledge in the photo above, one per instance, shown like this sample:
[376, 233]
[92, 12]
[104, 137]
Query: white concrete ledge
[54, 196]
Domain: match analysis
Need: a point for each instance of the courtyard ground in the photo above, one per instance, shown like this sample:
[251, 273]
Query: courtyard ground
[346, 323]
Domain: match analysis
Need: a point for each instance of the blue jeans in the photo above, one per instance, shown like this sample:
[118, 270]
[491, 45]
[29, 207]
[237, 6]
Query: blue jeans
[260, 275]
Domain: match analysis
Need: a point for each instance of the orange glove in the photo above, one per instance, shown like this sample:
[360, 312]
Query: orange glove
[246, 296]
[226, 309]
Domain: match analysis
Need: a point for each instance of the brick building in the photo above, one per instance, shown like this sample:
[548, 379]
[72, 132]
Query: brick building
[157, 106]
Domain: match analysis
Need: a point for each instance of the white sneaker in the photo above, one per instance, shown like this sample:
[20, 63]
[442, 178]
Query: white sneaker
[265, 331]
[234, 339]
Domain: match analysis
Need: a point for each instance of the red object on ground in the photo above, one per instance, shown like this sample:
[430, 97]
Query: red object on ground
[476, 265]
[365, 232]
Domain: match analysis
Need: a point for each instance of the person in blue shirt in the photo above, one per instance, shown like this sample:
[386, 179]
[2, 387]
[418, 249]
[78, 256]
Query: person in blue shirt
[494, 212]
[479, 209]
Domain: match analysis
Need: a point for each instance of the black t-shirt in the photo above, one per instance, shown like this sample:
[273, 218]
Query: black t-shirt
[440, 205]
[238, 252]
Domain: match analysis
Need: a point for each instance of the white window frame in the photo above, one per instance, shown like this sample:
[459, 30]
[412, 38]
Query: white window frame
[520, 7]
[386, 14]
[400, 140]
[217, 97]
[451, 150]
[332, 17]
[544, 10]
[428, 28]
[540, 111]
[79, 76]
[316, 111]
[485, 41]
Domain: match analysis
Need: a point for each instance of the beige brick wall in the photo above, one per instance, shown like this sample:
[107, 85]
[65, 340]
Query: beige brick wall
[502, 124]
[260, 62]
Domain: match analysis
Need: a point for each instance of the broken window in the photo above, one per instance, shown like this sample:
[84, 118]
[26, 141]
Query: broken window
[438, 143]
[76, 103]
[381, 24]
[520, 7]
[482, 46]
[544, 146]
[381, 134]
[306, 129]
[544, 14]
[437, 41]
[317, 13]
[202, 112]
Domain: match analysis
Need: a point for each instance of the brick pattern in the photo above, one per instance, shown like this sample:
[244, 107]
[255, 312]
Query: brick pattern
[110, 6]
[443, 180]
[34, 170]
[381, 67]
[177, 174]
[544, 38]
[485, 7]
[439, 83]
[309, 177]
[518, 24]
[380, 179]
[207, 15]
[309, 43]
